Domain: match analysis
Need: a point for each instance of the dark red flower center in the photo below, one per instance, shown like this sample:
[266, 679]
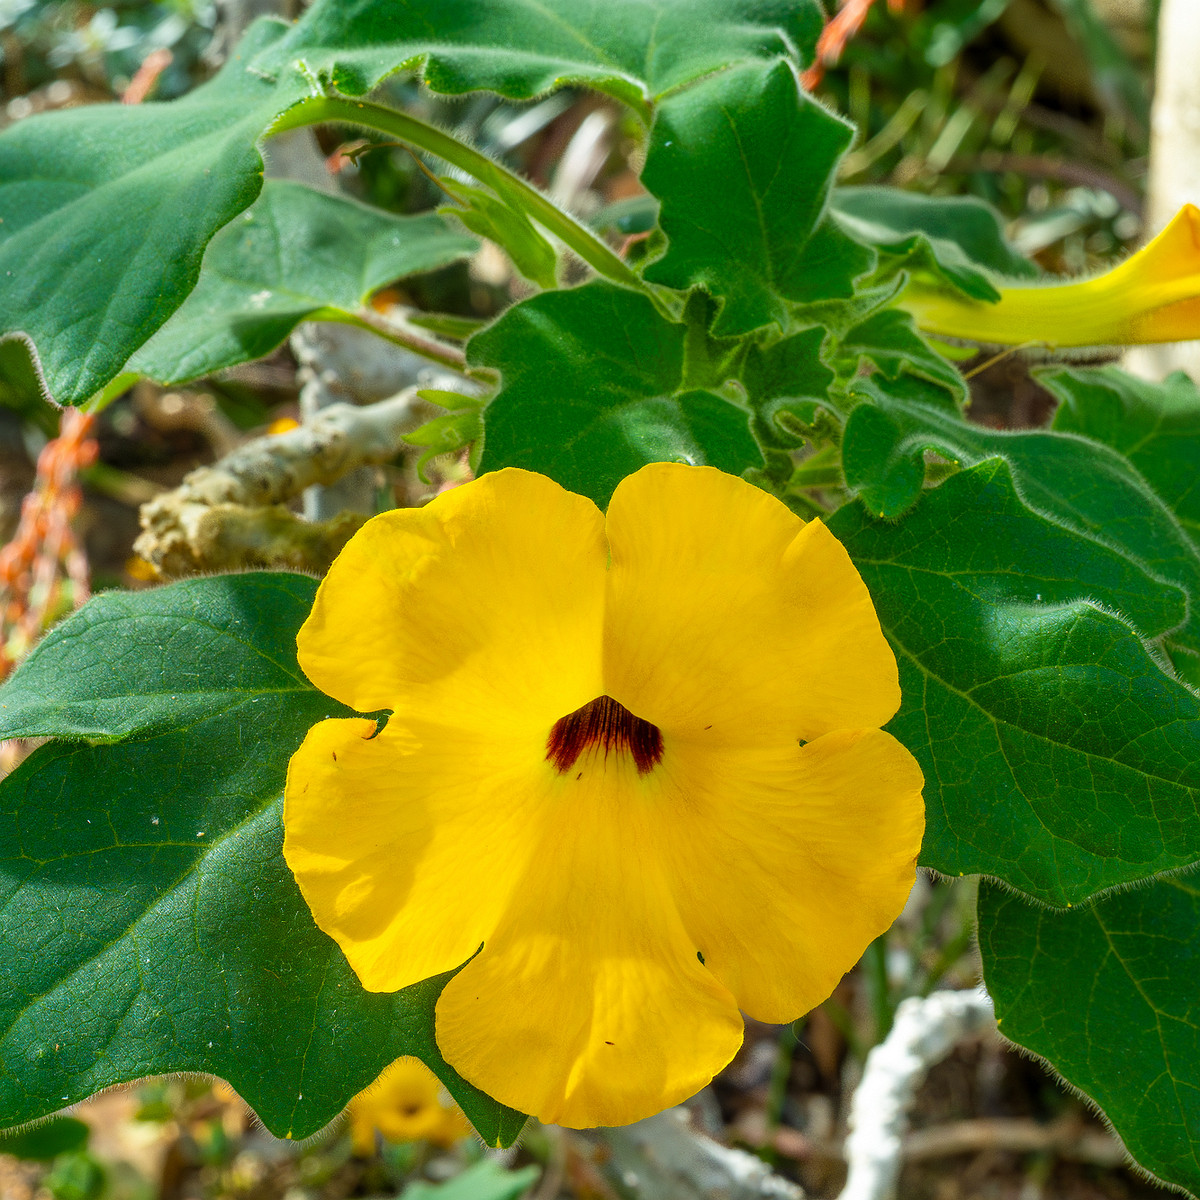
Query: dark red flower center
[603, 722]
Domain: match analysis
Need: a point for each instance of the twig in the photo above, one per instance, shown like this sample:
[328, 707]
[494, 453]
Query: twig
[231, 514]
[924, 1032]
[1064, 1138]
[663, 1156]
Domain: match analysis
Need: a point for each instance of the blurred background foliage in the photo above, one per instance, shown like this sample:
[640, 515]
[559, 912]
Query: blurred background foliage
[1040, 107]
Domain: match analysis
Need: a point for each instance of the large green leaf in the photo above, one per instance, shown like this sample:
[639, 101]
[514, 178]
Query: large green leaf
[1058, 755]
[742, 164]
[955, 239]
[105, 212]
[1108, 994]
[593, 389]
[148, 921]
[1155, 425]
[635, 50]
[1081, 484]
[294, 255]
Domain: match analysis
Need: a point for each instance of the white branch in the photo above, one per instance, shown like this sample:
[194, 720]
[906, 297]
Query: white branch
[926, 1030]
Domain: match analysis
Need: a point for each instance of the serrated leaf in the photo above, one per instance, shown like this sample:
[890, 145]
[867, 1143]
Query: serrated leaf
[747, 241]
[889, 339]
[105, 212]
[955, 239]
[1108, 995]
[1058, 755]
[148, 921]
[635, 50]
[490, 217]
[294, 255]
[593, 389]
[1083, 485]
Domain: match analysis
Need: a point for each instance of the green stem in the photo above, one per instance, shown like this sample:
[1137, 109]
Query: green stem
[318, 110]
[781, 1074]
[878, 988]
[427, 347]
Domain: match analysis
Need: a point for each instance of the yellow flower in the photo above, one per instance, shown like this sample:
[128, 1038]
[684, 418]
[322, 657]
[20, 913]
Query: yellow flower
[638, 761]
[1154, 296]
[405, 1104]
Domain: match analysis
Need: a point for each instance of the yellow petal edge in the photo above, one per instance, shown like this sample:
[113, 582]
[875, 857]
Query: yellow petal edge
[613, 913]
[1154, 296]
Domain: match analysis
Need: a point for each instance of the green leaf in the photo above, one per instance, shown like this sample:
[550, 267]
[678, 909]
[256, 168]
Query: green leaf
[294, 255]
[46, 1140]
[1081, 484]
[491, 217]
[786, 379]
[445, 435]
[21, 386]
[148, 921]
[485, 1180]
[634, 50]
[105, 211]
[889, 339]
[1155, 425]
[1108, 995]
[953, 239]
[1058, 755]
[742, 164]
[593, 389]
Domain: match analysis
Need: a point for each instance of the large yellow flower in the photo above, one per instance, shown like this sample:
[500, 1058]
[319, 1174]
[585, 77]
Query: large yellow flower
[636, 760]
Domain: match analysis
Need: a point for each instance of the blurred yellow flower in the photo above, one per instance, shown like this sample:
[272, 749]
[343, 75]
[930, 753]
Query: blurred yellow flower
[407, 1103]
[1154, 296]
[636, 759]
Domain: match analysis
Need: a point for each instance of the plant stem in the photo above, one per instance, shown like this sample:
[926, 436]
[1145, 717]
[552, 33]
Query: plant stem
[317, 110]
[398, 335]
[878, 988]
[781, 1074]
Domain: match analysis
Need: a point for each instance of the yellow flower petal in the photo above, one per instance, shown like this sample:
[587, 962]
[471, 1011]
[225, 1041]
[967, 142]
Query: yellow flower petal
[407, 1103]
[1154, 296]
[787, 863]
[589, 1005]
[731, 620]
[595, 850]
[427, 610]
[408, 846]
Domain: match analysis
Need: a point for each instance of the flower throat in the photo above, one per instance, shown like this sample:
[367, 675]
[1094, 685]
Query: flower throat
[603, 722]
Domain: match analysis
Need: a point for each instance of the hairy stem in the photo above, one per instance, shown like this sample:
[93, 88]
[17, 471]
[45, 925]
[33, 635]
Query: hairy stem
[321, 109]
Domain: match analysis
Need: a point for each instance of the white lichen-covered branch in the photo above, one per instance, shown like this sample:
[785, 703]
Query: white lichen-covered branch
[233, 514]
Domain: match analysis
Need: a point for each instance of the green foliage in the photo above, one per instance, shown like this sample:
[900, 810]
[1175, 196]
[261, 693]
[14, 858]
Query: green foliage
[1108, 994]
[952, 239]
[634, 50]
[750, 242]
[1073, 481]
[151, 924]
[489, 216]
[294, 255]
[1040, 588]
[105, 212]
[616, 399]
[1058, 755]
[486, 1180]
[46, 1140]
